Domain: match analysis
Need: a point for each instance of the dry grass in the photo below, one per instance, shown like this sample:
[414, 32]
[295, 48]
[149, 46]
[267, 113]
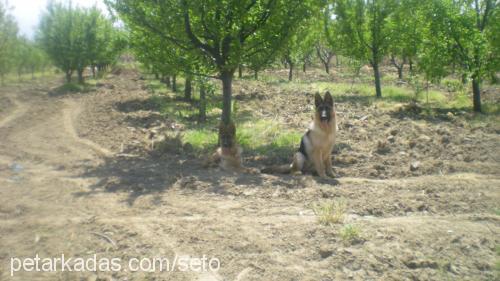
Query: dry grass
[332, 212]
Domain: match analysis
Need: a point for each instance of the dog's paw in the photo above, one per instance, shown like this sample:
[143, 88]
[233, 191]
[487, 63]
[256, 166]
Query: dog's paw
[330, 173]
[253, 171]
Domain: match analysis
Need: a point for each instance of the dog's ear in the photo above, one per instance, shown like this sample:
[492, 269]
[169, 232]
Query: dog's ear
[318, 100]
[328, 98]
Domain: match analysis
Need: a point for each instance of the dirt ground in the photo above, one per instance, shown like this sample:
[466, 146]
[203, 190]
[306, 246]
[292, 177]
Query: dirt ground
[78, 177]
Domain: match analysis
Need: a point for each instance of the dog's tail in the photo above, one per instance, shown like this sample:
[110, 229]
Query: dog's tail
[280, 169]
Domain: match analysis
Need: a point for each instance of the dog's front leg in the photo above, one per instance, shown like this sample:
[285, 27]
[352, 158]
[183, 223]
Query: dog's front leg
[213, 159]
[318, 163]
[328, 164]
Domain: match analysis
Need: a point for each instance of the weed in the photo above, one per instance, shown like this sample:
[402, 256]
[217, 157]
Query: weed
[350, 233]
[332, 212]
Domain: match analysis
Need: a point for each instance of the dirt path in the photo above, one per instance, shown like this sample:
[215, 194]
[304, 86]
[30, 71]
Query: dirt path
[66, 187]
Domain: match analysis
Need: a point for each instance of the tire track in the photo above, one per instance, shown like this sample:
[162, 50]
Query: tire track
[19, 110]
[70, 113]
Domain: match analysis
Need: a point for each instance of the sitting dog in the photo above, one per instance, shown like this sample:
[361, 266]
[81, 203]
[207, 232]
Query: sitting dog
[316, 144]
[228, 155]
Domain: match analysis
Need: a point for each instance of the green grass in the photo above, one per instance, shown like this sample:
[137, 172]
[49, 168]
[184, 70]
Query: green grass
[200, 139]
[259, 136]
[452, 85]
[13, 78]
[366, 92]
[491, 108]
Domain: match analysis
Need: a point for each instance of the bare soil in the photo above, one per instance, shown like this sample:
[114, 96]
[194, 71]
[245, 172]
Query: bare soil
[78, 177]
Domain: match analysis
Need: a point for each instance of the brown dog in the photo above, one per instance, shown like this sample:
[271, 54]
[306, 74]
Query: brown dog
[228, 155]
[317, 143]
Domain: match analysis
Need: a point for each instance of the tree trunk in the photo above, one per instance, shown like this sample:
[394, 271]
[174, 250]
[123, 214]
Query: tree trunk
[167, 81]
[337, 61]
[327, 67]
[174, 83]
[157, 76]
[203, 103]
[290, 71]
[464, 78]
[32, 73]
[93, 71]
[80, 75]
[304, 67]
[256, 74]
[476, 93]
[399, 67]
[187, 88]
[68, 76]
[376, 73]
[240, 71]
[227, 81]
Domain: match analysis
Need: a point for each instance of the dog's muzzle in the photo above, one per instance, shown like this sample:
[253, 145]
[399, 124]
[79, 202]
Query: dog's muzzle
[324, 116]
[226, 142]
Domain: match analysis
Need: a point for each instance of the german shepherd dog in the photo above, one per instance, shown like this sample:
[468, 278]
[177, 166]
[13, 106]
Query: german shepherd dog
[316, 144]
[228, 155]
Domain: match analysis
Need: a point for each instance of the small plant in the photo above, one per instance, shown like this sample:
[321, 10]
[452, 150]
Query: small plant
[332, 212]
[350, 233]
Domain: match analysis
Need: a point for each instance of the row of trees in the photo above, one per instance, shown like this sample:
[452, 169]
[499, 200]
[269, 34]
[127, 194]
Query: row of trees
[435, 38]
[214, 38]
[440, 36]
[18, 54]
[76, 38]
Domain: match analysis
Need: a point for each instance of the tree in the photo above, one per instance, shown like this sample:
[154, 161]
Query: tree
[299, 46]
[292, 54]
[109, 42]
[23, 56]
[325, 54]
[8, 36]
[75, 38]
[405, 31]
[56, 38]
[165, 58]
[222, 34]
[364, 26]
[462, 33]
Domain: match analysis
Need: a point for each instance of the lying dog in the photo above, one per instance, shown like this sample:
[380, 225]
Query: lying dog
[228, 155]
[317, 143]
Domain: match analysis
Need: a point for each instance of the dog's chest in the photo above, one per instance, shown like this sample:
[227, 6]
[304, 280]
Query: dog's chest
[323, 140]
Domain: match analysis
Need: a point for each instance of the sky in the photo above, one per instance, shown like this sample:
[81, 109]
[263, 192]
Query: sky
[28, 12]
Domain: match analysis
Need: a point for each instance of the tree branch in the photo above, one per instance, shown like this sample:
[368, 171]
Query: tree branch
[195, 40]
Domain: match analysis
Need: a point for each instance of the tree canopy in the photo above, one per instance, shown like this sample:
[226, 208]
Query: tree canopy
[75, 38]
[220, 34]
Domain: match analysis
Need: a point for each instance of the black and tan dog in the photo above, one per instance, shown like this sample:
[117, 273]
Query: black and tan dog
[317, 143]
[228, 154]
